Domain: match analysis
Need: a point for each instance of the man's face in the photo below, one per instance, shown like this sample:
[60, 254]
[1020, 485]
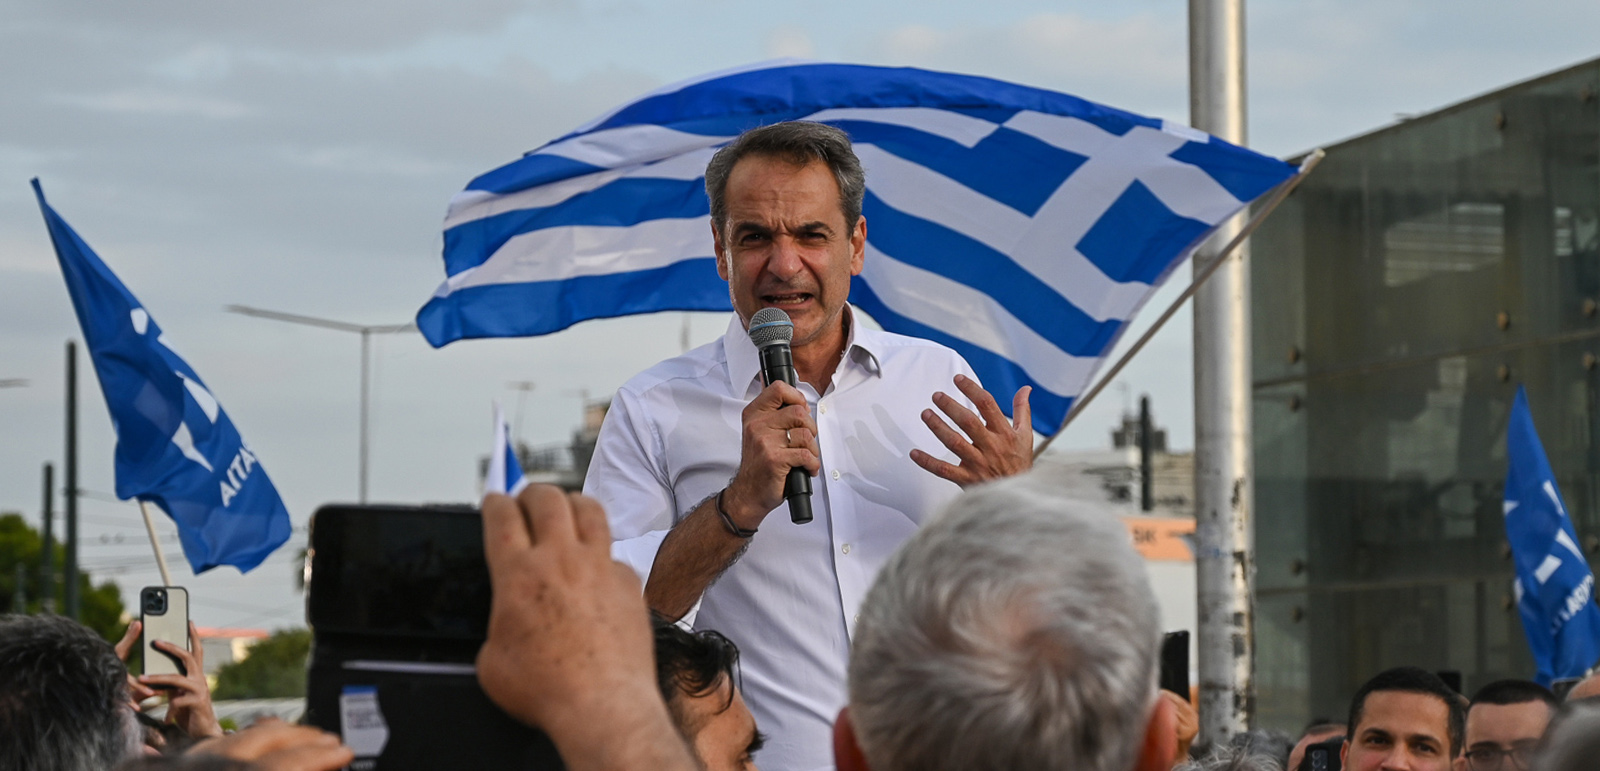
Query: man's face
[1400, 731]
[785, 245]
[726, 739]
[1494, 729]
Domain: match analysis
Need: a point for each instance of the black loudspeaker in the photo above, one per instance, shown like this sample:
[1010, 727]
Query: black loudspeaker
[398, 603]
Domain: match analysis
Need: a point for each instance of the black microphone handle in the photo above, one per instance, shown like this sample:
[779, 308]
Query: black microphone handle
[797, 490]
[777, 363]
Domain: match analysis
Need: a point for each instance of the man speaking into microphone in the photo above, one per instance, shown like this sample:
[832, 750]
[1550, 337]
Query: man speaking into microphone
[692, 461]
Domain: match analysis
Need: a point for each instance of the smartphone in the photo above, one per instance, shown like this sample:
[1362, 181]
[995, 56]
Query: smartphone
[164, 612]
[1322, 756]
[1175, 663]
[399, 572]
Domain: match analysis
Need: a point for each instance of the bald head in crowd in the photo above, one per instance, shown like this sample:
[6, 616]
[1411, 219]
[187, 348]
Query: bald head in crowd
[1017, 630]
[1587, 688]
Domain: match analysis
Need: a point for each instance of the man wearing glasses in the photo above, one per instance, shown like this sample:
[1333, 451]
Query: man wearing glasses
[1504, 724]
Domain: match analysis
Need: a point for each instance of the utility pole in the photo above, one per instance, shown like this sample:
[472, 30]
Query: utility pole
[69, 573]
[47, 557]
[366, 331]
[1224, 473]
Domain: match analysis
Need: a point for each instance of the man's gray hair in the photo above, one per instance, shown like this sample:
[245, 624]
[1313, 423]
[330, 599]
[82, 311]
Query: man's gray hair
[1017, 630]
[63, 698]
[1233, 758]
[798, 142]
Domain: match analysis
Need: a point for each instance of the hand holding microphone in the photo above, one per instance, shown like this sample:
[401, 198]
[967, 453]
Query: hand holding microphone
[780, 409]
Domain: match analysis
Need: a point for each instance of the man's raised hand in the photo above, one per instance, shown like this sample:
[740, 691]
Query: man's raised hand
[992, 446]
[569, 649]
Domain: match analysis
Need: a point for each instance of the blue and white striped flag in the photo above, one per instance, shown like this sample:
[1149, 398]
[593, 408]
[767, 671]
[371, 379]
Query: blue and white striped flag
[505, 471]
[176, 446]
[1554, 586]
[1019, 226]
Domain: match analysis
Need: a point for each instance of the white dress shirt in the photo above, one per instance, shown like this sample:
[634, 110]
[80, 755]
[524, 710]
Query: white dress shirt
[672, 439]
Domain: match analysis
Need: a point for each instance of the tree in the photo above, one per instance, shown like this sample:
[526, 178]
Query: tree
[100, 606]
[275, 668]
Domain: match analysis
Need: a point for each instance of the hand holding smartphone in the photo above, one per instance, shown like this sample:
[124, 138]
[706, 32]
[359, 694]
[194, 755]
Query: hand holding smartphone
[164, 613]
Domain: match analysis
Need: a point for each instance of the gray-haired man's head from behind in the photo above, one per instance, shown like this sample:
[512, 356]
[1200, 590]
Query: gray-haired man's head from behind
[63, 698]
[1017, 630]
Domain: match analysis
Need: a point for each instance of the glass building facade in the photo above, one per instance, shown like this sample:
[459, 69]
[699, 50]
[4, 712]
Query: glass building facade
[1401, 295]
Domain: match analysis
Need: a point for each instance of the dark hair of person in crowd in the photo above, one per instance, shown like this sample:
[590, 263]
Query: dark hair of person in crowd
[1413, 680]
[63, 697]
[800, 143]
[1513, 691]
[693, 664]
[1319, 725]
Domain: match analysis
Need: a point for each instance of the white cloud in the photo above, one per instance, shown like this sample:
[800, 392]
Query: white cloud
[1136, 62]
[150, 101]
[364, 160]
[789, 42]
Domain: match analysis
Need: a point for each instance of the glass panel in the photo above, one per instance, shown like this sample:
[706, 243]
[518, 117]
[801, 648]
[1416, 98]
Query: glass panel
[1417, 278]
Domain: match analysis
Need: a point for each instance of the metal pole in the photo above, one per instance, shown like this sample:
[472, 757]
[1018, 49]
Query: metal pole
[1224, 484]
[69, 573]
[1146, 464]
[366, 344]
[47, 556]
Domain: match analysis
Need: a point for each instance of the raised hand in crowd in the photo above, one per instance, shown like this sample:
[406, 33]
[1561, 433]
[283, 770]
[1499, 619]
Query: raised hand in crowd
[137, 692]
[1187, 723]
[273, 745]
[189, 695]
[569, 644]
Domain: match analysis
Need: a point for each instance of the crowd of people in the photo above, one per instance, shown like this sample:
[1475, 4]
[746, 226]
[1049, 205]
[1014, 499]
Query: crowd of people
[944, 608]
[1014, 631]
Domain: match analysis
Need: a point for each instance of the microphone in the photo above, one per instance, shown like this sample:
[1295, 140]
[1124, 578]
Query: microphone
[771, 330]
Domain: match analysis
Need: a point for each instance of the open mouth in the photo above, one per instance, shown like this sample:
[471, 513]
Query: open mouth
[785, 300]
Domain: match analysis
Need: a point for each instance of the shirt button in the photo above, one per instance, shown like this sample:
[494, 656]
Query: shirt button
[845, 548]
[835, 473]
[822, 408]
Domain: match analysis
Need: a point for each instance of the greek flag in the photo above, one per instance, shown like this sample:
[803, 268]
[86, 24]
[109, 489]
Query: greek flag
[1021, 227]
[176, 447]
[1554, 586]
[505, 472]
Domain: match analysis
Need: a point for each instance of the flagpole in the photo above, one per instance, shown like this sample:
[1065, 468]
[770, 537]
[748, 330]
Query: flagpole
[1202, 273]
[150, 529]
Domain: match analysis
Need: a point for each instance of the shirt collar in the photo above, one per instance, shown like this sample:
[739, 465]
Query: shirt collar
[861, 347]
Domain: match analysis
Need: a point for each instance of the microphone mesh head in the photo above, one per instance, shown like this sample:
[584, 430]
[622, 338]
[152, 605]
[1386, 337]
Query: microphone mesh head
[770, 326]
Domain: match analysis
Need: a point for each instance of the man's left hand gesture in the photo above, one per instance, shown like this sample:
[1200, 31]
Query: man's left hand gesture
[993, 446]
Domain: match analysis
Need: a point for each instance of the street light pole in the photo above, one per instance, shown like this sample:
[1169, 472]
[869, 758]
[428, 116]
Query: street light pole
[1223, 465]
[366, 331]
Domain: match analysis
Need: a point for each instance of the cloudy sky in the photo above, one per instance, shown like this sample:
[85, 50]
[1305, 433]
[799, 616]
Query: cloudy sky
[298, 156]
